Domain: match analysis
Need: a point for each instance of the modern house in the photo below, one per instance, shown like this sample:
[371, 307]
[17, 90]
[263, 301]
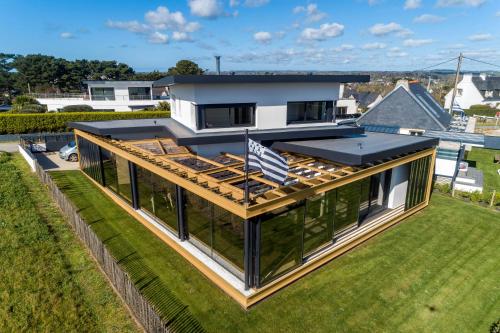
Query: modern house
[108, 96]
[475, 90]
[183, 177]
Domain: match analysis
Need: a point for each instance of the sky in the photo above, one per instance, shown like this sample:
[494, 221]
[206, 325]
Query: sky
[258, 34]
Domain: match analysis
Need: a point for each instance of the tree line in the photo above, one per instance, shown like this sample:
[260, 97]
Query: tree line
[20, 74]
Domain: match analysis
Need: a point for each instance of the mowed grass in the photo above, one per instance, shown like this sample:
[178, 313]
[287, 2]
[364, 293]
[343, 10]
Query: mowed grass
[437, 271]
[48, 282]
[483, 159]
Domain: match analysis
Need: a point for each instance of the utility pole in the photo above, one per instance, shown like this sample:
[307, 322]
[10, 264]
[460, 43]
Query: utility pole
[457, 74]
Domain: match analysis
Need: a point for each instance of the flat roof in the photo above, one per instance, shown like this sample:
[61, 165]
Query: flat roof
[360, 149]
[114, 81]
[278, 78]
[169, 128]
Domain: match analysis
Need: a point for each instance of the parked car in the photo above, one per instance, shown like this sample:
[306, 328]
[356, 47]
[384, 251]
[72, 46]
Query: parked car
[69, 152]
[5, 107]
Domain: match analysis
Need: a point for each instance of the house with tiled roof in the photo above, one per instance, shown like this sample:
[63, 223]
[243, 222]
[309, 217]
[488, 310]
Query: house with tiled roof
[476, 89]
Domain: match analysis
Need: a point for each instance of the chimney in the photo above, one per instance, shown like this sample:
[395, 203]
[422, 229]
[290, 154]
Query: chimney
[217, 65]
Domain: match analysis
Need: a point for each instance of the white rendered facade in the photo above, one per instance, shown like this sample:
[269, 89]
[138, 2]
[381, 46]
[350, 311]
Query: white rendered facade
[270, 101]
[468, 94]
[106, 95]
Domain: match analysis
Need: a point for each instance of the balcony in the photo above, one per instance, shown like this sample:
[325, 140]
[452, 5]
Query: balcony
[60, 96]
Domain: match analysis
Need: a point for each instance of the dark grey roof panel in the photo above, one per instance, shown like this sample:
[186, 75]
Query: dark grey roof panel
[490, 83]
[183, 136]
[193, 79]
[401, 109]
[360, 149]
[430, 104]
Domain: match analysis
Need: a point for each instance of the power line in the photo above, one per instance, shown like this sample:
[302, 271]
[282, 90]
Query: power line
[441, 63]
[483, 62]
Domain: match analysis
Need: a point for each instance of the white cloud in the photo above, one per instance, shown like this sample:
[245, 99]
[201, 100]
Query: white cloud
[132, 26]
[325, 31]
[480, 37]
[454, 3]
[417, 42]
[263, 37]
[428, 18]
[205, 8]
[381, 29]
[67, 35]
[255, 3]
[413, 4]
[396, 52]
[279, 34]
[158, 38]
[163, 19]
[313, 14]
[344, 47]
[373, 46]
[181, 36]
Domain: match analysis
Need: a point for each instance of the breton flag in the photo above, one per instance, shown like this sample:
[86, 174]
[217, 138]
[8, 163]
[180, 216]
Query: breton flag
[272, 165]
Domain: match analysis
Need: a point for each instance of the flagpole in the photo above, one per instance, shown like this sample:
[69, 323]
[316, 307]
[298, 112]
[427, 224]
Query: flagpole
[246, 167]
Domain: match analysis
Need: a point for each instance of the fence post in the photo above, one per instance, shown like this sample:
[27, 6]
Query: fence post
[492, 201]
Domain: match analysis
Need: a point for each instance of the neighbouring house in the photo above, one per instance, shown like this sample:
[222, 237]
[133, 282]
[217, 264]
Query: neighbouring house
[108, 96]
[476, 89]
[183, 177]
[354, 102]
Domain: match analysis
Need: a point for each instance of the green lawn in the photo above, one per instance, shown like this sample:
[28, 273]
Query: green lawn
[483, 160]
[436, 272]
[48, 282]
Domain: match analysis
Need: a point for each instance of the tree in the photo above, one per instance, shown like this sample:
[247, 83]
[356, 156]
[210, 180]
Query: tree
[185, 67]
[6, 76]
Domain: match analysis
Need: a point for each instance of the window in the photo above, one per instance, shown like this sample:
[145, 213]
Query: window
[301, 112]
[139, 93]
[90, 159]
[157, 196]
[215, 231]
[281, 242]
[225, 115]
[341, 111]
[459, 92]
[347, 207]
[117, 174]
[102, 94]
[318, 223]
[417, 182]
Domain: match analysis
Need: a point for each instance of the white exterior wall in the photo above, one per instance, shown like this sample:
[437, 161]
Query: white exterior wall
[445, 167]
[399, 185]
[122, 101]
[349, 103]
[470, 95]
[270, 99]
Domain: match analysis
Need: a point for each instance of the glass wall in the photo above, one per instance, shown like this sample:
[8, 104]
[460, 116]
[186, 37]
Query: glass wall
[318, 223]
[117, 174]
[157, 196]
[225, 115]
[90, 160]
[281, 241]
[220, 232]
[347, 208]
[300, 112]
[139, 93]
[102, 94]
[417, 182]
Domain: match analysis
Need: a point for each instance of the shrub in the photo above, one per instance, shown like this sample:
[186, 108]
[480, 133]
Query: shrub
[77, 108]
[476, 196]
[163, 106]
[443, 188]
[495, 327]
[22, 100]
[57, 122]
[481, 110]
[31, 108]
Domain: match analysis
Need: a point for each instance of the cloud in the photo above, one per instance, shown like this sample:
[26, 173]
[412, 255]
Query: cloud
[312, 12]
[344, 47]
[412, 4]
[396, 52]
[255, 3]
[132, 26]
[181, 36]
[374, 46]
[325, 31]
[67, 35]
[163, 19]
[209, 9]
[480, 37]
[381, 29]
[158, 38]
[455, 3]
[263, 37]
[417, 42]
[428, 18]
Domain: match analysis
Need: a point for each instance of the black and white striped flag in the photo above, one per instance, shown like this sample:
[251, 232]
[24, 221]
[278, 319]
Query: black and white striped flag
[272, 165]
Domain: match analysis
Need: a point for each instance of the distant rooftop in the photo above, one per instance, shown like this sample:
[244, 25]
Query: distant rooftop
[274, 78]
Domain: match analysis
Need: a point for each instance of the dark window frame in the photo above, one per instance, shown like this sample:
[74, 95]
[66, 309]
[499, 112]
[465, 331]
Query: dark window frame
[201, 118]
[329, 112]
[97, 94]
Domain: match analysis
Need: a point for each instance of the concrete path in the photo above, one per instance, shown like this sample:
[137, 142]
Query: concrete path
[52, 161]
[10, 147]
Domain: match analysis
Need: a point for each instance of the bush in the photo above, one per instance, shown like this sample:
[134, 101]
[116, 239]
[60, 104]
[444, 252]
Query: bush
[495, 327]
[22, 100]
[481, 110]
[27, 104]
[443, 188]
[162, 106]
[56, 122]
[476, 196]
[77, 108]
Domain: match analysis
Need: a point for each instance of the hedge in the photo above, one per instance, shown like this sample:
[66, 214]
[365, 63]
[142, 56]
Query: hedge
[56, 122]
[481, 110]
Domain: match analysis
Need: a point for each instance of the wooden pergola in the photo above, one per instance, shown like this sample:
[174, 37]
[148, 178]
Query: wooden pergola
[221, 179]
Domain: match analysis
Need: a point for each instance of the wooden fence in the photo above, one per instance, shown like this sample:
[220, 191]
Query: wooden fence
[141, 308]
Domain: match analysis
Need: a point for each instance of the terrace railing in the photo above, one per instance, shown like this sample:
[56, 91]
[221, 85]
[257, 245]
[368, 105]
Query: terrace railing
[60, 96]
